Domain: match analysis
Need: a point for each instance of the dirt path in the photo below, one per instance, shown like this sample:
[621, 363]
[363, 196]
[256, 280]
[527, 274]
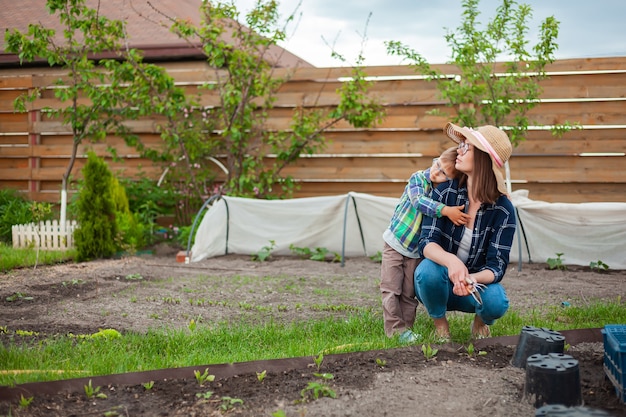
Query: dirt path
[140, 293]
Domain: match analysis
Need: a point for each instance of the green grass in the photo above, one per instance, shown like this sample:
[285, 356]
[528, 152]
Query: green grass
[158, 349]
[11, 258]
[64, 357]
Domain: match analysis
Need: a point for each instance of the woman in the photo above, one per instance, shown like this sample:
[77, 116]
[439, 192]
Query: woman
[459, 257]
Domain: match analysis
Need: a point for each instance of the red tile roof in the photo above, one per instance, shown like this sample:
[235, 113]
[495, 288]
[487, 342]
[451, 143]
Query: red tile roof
[147, 24]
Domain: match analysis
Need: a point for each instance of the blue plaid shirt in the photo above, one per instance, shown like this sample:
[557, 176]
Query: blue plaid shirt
[403, 231]
[492, 237]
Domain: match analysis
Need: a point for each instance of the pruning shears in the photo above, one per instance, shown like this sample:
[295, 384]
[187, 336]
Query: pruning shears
[474, 289]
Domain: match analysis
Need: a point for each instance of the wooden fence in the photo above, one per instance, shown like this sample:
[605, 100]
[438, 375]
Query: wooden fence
[584, 165]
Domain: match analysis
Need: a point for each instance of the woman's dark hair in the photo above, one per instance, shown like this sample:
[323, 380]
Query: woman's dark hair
[485, 183]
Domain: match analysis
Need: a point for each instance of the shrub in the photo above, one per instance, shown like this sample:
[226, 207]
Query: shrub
[17, 209]
[14, 209]
[95, 236]
[130, 234]
[147, 201]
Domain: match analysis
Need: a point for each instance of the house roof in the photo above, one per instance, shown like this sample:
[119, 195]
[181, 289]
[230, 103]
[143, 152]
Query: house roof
[147, 25]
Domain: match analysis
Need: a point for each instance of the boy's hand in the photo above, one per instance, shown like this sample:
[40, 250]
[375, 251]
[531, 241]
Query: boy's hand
[456, 214]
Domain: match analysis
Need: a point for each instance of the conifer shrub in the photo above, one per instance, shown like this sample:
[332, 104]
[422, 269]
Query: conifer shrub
[130, 231]
[95, 236]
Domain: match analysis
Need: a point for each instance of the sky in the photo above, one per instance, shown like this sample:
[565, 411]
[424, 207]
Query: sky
[588, 29]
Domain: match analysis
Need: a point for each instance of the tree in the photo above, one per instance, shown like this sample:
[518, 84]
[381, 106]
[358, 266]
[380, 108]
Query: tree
[97, 96]
[232, 135]
[482, 93]
[245, 87]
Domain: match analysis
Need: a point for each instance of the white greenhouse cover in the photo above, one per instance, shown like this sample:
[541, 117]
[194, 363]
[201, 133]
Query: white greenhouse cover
[352, 225]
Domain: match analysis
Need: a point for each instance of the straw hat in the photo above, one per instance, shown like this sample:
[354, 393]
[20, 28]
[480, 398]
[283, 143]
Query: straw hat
[489, 139]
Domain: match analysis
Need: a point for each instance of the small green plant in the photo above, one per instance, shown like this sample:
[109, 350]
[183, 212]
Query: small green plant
[17, 296]
[134, 277]
[429, 352]
[26, 333]
[25, 402]
[318, 360]
[204, 377]
[91, 391]
[245, 306]
[381, 362]
[598, 266]
[377, 257]
[73, 282]
[556, 263]
[148, 385]
[279, 413]
[471, 351]
[265, 253]
[106, 334]
[229, 403]
[204, 395]
[261, 375]
[192, 325]
[317, 254]
[314, 390]
[304, 253]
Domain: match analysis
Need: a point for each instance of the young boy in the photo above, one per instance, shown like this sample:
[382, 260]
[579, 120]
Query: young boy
[400, 257]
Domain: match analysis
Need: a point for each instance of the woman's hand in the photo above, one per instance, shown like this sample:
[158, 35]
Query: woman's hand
[457, 272]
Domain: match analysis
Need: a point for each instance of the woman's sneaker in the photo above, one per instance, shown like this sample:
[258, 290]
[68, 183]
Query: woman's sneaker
[408, 337]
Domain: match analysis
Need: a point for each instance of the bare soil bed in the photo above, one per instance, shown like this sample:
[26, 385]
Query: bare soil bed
[139, 293]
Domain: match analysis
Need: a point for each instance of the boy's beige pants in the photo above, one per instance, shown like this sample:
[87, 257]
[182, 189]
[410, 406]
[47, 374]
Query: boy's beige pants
[398, 291]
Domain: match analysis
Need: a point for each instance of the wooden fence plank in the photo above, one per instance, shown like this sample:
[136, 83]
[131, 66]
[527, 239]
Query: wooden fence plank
[12, 140]
[365, 142]
[585, 192]
[531, 168]
[592, 192]
[13, 123]
[543, 142]
[584, 86]
[15, 151]
[378, 168]
[15, 173]
[16, 81]
[565, 193]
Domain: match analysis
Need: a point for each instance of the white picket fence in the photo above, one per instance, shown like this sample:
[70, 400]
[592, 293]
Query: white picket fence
[46, 235]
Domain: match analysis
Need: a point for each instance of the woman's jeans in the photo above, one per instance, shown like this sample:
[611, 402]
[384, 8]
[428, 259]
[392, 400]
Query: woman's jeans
[433, 288]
